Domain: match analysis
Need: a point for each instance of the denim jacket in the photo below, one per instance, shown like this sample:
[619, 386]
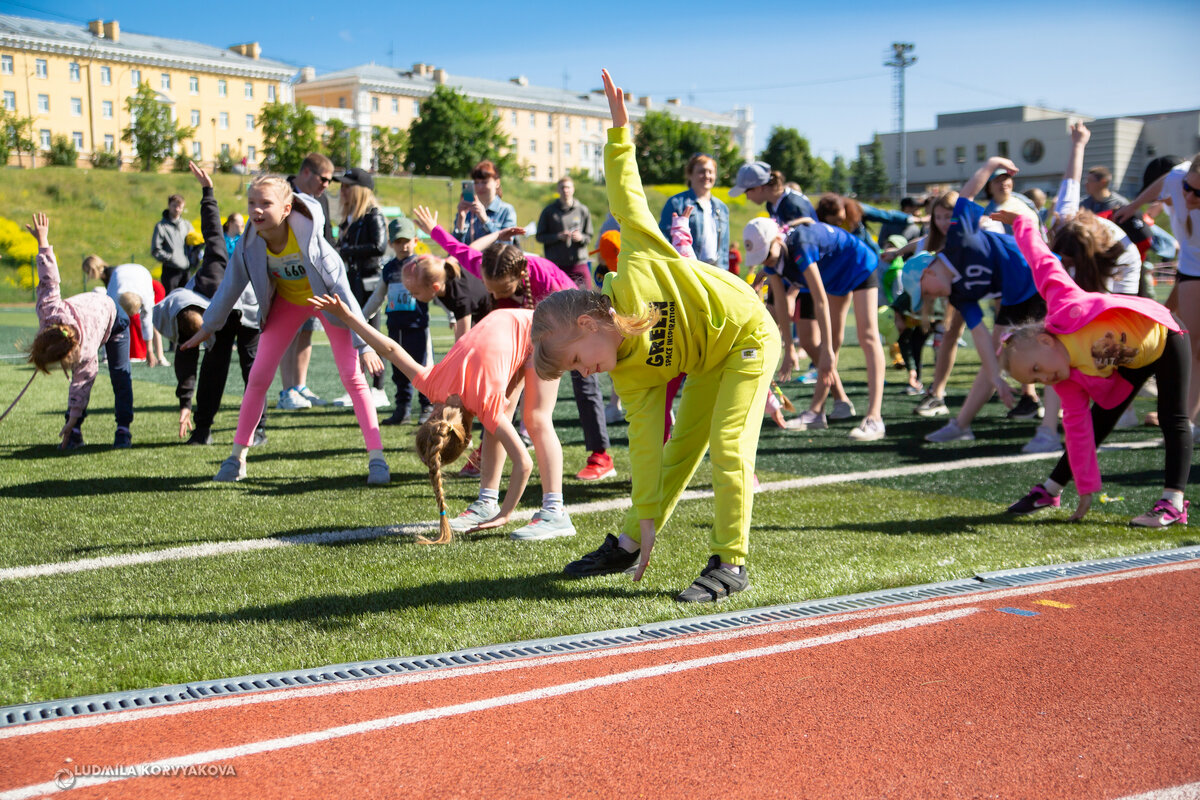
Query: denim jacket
[720, 211]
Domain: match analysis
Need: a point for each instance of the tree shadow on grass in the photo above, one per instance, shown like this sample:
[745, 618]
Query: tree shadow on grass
[79, 487]
[336, 611]
[953, 524]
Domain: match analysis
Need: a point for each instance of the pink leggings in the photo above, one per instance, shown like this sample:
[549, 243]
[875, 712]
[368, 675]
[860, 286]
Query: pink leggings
[278, 331]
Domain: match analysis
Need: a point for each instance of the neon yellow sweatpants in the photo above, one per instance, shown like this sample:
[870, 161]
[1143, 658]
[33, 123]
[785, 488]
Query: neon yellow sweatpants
[721, 411]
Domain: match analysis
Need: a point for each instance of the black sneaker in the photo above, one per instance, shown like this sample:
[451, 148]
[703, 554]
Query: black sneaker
[715, 583]
[608, 559]
[200, 436]
[74, 440]
[1026, 408]
[396, 418]
[123, 439]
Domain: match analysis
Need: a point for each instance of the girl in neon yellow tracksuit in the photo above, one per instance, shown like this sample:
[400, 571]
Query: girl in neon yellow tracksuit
[658, 316]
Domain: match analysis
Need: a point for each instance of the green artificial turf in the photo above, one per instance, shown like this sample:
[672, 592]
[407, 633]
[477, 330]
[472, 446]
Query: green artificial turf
[315, 604]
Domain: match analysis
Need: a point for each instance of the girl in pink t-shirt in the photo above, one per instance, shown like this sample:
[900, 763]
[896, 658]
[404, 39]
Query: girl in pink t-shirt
[482, 376]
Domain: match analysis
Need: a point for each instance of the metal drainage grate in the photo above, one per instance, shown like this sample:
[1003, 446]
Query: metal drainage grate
[168, 695]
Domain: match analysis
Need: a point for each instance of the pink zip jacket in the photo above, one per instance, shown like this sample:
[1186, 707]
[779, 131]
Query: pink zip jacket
[1069, 308]
[91, 313]
[544, 276]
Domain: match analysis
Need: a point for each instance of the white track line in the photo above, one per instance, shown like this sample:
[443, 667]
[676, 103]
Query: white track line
[544, 693]
[534, 662]
[617, 504]
[1189, 791]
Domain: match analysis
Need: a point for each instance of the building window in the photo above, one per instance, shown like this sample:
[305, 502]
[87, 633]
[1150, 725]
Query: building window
[981, 152]
[550, 124]
[10, 101]
[566, 123]
[532, 119]
[550, 149]
[1033, 150]
[341, 102]
[374, 103]
[583, 125]
[193, 85]
[512, 145]
[223, 120]
[164, 80]
[110, 142]
[225, 150]
[40, 68]
[514, 118]
[919, 156]
[196, 151]
[248, 90]
[550, 173]
[6, 65]
[395, 105]
[960, 155]
[76, 107]
[270, 93]
[252, 153]
[44, 103]
[533, 145]
[44, 136]
[135, 78]
[77, 138]
[106, 109]
[249, 122]
[73, 71]
[195, 117]
[566, 148]
[222, 88]
[106, 76]
[416, 108]
[939, 155]
[1002, 149]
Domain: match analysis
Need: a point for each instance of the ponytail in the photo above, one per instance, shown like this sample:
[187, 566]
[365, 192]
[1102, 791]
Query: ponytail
[441, 440]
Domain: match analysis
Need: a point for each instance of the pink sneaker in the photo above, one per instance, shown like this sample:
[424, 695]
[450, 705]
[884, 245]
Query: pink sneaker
[1162, 515]
[1037, 498]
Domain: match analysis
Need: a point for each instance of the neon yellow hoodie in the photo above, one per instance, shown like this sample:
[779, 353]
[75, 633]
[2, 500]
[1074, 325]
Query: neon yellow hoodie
[706, 315]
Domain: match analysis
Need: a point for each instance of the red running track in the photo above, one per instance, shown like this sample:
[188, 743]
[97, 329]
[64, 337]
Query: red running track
[1091, 691]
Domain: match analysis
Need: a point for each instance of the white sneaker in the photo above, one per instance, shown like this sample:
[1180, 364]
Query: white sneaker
[613, 414]
[342, 402]
[291, 400]
[1149, 388]
[842, 409]
[869, 430]
[1128, 419]
[807, 421]
[380, 397]
[950, 432]
[1044, 441]
[476, 513]
[309, 395]
[544, 525]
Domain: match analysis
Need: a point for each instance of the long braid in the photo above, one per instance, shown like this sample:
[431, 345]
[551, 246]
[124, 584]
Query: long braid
[441, 440]
[527, 302]
[437, 440]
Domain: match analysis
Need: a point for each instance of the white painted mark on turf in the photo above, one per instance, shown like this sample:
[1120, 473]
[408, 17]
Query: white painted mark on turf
[536, 662]
[459, 709]
[617, 504]
[1190, 791]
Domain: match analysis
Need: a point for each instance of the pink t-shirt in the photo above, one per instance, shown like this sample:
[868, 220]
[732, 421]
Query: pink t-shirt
[481, 365]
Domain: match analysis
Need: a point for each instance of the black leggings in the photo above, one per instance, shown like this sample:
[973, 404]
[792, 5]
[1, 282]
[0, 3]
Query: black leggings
[912, 345]
[1171, 370]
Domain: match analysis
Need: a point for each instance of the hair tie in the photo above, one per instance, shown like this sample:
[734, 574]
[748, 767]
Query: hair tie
[66, 334]
[442, 512]
[1005, 338]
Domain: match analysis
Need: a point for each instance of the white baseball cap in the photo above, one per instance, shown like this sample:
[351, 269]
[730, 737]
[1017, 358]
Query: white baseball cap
[757, 238]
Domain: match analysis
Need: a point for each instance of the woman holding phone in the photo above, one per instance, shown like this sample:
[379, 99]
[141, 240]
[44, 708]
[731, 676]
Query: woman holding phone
[481, 211]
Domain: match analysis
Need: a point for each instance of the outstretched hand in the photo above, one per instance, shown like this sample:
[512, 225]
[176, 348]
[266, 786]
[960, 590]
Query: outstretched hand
[1004, 217]
[647, 545]
[425, 219]
[201, 176]
[1085, 503]
[616, 101]
[510, 233]
[40, 229]
[330, 304]
[1080, 134]
[200, 338]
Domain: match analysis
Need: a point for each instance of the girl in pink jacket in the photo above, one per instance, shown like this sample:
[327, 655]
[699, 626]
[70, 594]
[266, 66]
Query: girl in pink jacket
[1101, 348]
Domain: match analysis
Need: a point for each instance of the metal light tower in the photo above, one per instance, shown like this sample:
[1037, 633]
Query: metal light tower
[900, 61]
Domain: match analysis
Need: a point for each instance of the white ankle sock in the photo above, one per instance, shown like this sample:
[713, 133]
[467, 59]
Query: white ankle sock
[628, 545]
[489, 496]
[374, 454]
[1174, 497]
[552, 502]
[1053, 488]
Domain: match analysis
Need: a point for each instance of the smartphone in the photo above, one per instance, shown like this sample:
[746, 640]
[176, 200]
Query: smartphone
[468, 192]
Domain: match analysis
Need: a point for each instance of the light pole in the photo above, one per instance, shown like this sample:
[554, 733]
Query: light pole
[901, 61]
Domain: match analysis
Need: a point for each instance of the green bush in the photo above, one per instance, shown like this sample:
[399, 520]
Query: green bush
[63, 152]
[106, 159]
[225, 162]
[180, 164]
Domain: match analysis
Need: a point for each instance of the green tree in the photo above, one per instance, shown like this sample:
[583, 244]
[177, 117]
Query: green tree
[289, 134]
[868, 173]
[839, 176]
[151, 130]
[390, 149]
[16, 133]
[453, 134]
[340, 142]
[727, 154]
[790, 153]
[62, 151]
[664, 144]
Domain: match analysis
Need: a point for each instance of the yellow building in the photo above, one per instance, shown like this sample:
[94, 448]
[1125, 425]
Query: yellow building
[550, 130]
[74, 80]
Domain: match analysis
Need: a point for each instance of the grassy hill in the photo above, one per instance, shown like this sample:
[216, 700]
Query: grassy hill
[113, 214]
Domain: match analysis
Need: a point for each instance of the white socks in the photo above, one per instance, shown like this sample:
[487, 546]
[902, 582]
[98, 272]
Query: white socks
[1174, 497]
[1053, 488]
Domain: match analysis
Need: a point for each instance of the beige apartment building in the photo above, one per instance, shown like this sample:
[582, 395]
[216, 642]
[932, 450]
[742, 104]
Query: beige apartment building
[550, 130]
[74, 81]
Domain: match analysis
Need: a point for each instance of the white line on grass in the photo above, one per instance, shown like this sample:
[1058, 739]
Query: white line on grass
[313, 737]
[616, 504]
[536, 662]
[1189, 791]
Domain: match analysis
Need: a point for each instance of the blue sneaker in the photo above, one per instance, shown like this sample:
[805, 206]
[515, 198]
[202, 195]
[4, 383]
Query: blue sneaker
[232, 469]
[544, 525]
[476, 513]
[808, 378]
[378, 473]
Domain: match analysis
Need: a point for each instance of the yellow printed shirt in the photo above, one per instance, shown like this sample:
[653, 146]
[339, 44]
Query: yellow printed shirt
[707, 314]
[287, 272]
[1115, 338]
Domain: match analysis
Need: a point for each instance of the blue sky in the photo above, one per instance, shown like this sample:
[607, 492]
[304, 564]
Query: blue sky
[819, 70]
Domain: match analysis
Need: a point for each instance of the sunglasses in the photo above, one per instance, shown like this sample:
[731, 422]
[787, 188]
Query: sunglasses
[1187, 187]
[324, 181]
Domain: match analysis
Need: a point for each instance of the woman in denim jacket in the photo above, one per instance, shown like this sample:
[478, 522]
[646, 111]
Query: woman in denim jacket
[709, 223]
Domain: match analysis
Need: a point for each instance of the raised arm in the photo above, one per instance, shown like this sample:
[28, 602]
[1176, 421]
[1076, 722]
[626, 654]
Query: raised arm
[49, 294]
[468, 257]
[975, 185]
[1149, 194]
[216, 257]
[1053, 282]
[1066, 205]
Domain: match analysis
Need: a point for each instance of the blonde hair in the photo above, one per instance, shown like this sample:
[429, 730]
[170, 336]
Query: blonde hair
[54, 344]
[355, 201]
[1018, 338]
[441, 440]
[93, 267]
[428, 269]
[283, 189]
[131, 302]
[936, 240]
[554, 325]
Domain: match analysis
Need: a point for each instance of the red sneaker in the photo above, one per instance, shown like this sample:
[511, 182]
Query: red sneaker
[599, 466]
[471, 468]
